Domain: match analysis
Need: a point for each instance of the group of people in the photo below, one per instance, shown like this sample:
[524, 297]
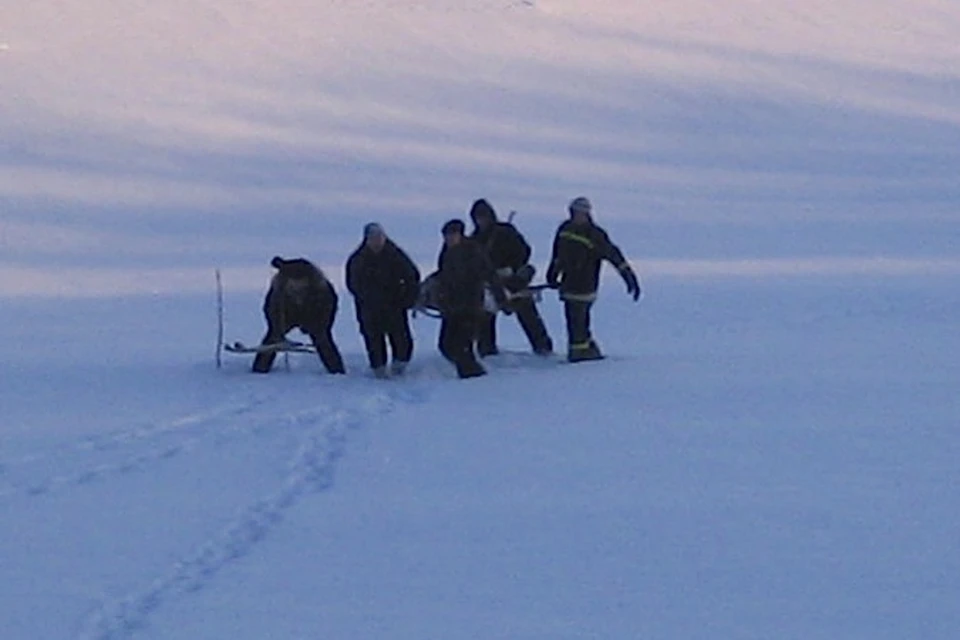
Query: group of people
[478, 275]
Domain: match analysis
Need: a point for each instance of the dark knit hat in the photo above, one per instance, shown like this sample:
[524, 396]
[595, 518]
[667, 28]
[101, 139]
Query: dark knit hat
[581, 205]
[482, 209]
[294, 268]
[453, 226]
[372, 229]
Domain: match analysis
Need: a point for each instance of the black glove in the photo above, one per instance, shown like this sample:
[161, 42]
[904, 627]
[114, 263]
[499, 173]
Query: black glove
[630, 278]
[553, 276]
[409, 294]
[500, 297]
[525, 273]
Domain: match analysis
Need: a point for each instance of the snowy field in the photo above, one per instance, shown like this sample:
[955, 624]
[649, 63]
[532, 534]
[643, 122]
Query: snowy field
[758, 459]
[770, 450]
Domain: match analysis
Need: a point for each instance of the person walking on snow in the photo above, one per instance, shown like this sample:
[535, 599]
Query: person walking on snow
[384, 282]
[509, 253]
[579, 248]
[463, 274]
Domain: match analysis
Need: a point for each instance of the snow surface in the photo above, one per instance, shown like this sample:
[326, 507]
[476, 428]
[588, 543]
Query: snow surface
[769, 452]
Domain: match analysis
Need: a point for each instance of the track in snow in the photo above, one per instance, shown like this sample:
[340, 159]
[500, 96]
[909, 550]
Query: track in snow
[324, 430]
[96, 458]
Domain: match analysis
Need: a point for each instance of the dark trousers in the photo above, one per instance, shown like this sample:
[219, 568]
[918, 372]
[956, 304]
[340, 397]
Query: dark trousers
[577, 314]
[456, 343]
[379, 328]
[321, 336]
[530, 321]
[486, 335]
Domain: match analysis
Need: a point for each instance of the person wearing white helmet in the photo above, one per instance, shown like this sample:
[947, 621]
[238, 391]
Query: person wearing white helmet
[579, 248]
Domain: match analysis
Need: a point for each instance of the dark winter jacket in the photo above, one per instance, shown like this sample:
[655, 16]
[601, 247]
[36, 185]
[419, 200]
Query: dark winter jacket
[578, 251]
[382, 281]
[505, 246]
[463, 271]
[299, 296]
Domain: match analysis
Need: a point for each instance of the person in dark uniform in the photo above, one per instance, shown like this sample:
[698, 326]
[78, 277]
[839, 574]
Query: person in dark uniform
[579, 248]
[384, 282]
[464, 272]
[300, 297]
[509, 253]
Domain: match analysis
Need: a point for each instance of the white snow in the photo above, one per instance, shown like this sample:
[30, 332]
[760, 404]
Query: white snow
[770, 451]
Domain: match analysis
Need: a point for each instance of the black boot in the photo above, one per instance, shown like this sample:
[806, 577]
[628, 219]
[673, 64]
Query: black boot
[263, 362]
[544, 348]
[584, 352]
[470, 369]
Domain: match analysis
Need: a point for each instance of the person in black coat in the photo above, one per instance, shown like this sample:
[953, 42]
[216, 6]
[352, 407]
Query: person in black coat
[300, 297]
[579, 249]
[463, 274]
[509, 253]
[384, 282]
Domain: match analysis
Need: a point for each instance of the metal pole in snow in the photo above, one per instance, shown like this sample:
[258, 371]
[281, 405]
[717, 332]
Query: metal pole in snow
[219, 357]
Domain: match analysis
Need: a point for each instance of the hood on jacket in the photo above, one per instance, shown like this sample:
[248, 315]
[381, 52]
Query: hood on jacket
[482, 209]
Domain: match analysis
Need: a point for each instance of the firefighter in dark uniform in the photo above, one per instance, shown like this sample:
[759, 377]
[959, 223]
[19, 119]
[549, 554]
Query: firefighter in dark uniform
[509, 253]
[300, 297]
[464, 272]
[579, 248]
